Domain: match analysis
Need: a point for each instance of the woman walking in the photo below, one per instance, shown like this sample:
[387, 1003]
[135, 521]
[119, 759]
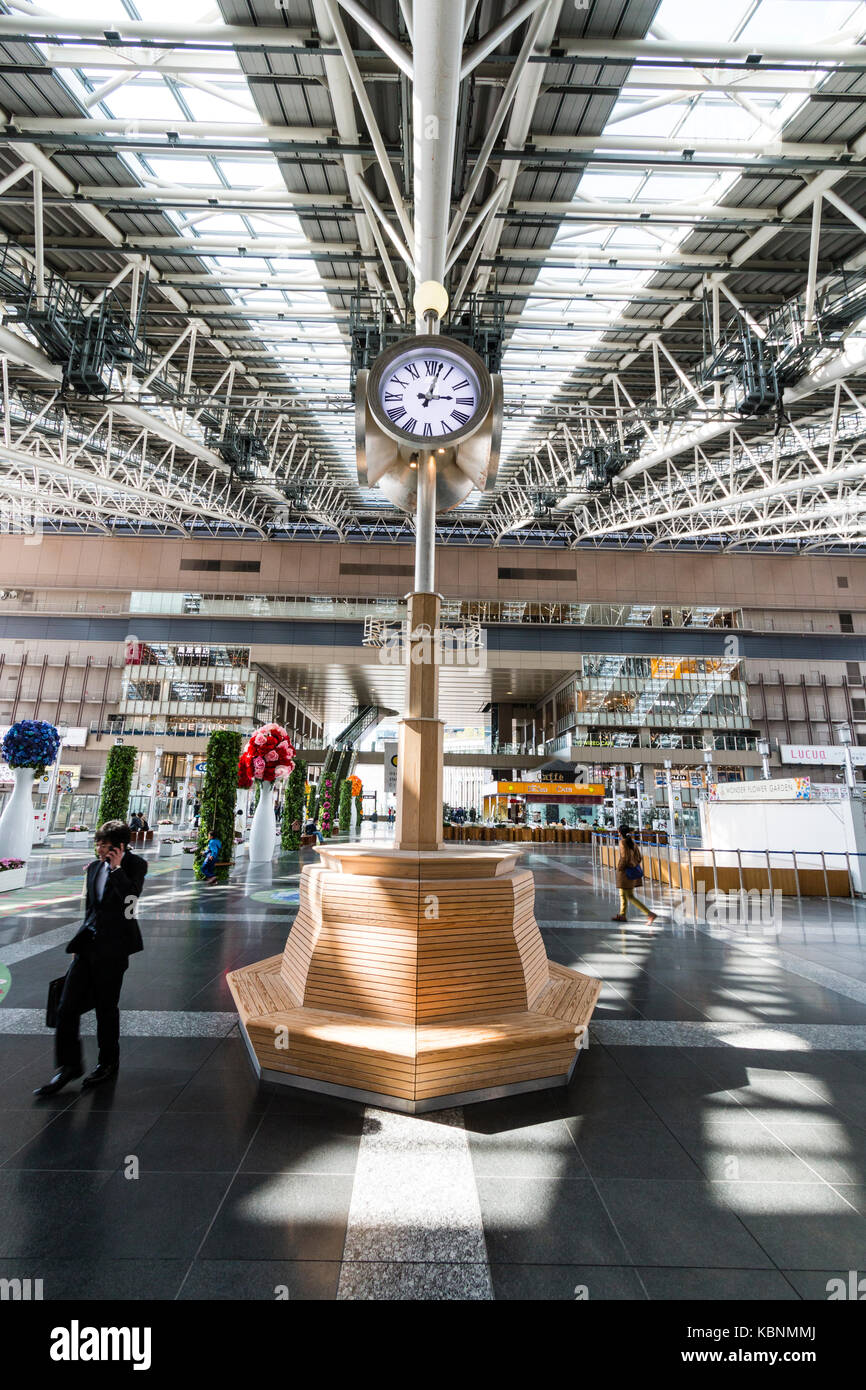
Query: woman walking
[629, 873]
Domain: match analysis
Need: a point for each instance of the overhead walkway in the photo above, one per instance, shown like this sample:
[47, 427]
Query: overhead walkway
[504, 643]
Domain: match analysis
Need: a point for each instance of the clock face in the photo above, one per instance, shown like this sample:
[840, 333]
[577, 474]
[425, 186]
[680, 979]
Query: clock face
[429, 392]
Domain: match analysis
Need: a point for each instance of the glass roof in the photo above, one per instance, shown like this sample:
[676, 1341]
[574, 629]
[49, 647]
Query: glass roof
[308, 346]
[538, 365]
[557, 330]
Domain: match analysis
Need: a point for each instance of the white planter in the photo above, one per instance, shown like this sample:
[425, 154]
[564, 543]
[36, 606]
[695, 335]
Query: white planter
[16, 824]
[77, 837]
[167, 851]
[263, 832]
[12, 878]
[187, 862]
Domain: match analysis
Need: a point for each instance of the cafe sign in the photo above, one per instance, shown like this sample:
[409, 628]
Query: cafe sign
[549, 789]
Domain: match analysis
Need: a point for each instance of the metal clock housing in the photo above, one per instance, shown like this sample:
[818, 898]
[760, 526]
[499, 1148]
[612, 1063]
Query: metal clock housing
[429, 390]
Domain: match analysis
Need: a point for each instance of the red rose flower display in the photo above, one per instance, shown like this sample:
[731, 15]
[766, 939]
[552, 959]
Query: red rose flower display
[268, 757]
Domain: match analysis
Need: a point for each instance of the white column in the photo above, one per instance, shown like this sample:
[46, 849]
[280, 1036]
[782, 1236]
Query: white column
[187, 772]
[670, 791]
[151, 808]
[52, 790]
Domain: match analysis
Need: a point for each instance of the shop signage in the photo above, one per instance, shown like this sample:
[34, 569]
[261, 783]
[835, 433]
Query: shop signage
[774, 789]
[391, 769]
[552, 789]
[832, 754]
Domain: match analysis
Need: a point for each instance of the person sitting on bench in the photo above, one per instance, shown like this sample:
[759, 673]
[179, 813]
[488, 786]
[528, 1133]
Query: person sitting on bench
[209, 863]
[312, 829]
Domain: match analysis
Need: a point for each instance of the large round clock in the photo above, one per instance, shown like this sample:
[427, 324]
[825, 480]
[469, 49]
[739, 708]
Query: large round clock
[429, 388]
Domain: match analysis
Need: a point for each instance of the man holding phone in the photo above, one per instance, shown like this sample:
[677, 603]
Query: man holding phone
[101, 948]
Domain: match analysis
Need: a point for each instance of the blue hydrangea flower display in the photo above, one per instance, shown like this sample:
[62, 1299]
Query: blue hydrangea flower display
[31, 743]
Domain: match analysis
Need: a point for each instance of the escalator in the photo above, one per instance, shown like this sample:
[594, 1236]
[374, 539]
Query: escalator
[340, 758]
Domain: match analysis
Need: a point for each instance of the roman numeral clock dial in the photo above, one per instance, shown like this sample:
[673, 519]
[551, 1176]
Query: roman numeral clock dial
[431, 392]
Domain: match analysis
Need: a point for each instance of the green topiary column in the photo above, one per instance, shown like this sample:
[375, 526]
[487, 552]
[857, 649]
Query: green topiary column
[359, 807]
[293, 806]
[327, 807]
[116, 785]
[218, 798]
[345, 806]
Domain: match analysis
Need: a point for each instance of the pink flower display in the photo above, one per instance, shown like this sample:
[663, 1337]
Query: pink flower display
[269, 755]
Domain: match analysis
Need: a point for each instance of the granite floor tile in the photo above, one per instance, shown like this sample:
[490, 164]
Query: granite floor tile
[543, 1221]
[799, 1225]
[320, 1143]
[664, 1222]
[156, 1215]
[76, 1280]
[717, 1285]
[265, 1281]
[271, 1216]
[565, 1283]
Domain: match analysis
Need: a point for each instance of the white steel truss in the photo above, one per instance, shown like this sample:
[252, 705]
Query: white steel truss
[601, 328]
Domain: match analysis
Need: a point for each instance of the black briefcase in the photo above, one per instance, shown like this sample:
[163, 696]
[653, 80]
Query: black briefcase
[55, 989]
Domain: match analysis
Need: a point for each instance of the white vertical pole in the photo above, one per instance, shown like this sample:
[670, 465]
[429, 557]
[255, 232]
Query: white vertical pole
[812, 278]
[717, 389]
[52, 790]
[670, 791]
[39, 239]
[151, 809]
[187, 772]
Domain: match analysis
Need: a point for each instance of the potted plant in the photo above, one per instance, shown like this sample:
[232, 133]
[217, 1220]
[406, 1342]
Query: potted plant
[327, 809]
[117, 784]
[187, 856]
[269, 757]
[218, 798]
[293, 806]
[170, 846]
[77, 835]
[345, 807]
[28, 748]
[13, 873]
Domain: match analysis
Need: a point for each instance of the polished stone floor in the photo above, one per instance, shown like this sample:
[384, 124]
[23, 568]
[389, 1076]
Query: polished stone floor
[712, 1144]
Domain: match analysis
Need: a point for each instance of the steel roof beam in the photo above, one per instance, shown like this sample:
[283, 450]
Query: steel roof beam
[381, 36]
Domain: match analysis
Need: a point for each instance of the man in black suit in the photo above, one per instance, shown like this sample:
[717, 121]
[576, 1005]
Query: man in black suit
[101, 948]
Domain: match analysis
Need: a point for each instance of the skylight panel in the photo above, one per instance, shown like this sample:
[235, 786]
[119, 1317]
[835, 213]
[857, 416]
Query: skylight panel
[286, 223]
[679, 187]
[217, 222]
[250, 173]
[659, 123]
[183, 168]
[813, 19]
[602, 184]
[233, 108]
[703, 21]
[726, 119]
[132, 101]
